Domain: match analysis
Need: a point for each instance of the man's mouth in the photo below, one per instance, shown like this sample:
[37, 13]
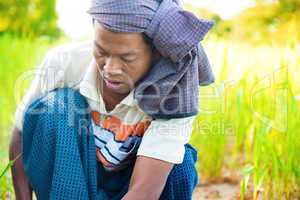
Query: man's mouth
[115, 85]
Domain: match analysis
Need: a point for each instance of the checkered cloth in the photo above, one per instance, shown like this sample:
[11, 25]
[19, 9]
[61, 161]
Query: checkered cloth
[170, 89]
[58, 154]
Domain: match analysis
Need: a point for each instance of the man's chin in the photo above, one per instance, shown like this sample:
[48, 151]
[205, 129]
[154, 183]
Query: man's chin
[125, 89]
[121, 91]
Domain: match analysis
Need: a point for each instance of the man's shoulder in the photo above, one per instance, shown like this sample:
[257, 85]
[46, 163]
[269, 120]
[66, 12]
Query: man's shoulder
[67, 63]
[69, 57]
[74, 50]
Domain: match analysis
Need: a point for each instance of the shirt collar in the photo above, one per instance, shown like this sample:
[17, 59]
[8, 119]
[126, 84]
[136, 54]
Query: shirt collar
[129, 99]
[88, 87]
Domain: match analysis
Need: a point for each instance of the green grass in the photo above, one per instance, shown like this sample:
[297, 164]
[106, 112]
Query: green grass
[248, 123]
[253, 118]
[16, 56]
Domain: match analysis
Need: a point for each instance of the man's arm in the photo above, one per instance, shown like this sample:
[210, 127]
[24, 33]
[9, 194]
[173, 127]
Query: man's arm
[22, 188]
[148, 179]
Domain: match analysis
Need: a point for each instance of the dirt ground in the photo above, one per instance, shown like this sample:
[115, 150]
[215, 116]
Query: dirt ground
[223, 191]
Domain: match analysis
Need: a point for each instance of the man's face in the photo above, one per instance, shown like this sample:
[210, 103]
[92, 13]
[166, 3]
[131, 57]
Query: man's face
[122, 58]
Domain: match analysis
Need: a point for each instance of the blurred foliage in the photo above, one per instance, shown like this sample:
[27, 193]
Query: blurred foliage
[284, 5]
[30, 18]
[264, 23]
[18, 56]
[268, 22]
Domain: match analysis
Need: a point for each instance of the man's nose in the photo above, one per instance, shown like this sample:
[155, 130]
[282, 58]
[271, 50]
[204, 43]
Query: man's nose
[112, 67]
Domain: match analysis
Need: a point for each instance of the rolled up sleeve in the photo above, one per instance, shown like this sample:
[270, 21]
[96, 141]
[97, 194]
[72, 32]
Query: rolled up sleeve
[165, 139]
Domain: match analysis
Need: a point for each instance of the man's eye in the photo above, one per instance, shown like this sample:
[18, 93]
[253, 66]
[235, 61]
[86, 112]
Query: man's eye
[99, 54]
[129, 58]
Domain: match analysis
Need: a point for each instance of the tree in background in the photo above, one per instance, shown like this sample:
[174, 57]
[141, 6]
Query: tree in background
[284, 5]
[30, 18]
[269, 21]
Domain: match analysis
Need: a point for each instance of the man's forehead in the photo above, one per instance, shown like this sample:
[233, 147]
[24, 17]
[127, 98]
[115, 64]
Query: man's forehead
[122, 42]
[118, 49]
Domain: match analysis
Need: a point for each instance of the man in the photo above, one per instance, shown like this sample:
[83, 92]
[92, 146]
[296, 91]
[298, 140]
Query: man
[112, 119]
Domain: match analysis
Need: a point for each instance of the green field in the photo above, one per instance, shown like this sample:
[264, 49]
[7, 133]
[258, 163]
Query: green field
[248, 124]
[16, 56]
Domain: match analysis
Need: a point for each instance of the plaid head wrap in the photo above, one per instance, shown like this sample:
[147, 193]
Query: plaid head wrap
[170, 88]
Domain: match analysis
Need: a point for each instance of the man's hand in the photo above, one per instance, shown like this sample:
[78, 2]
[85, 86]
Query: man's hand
[148, 179]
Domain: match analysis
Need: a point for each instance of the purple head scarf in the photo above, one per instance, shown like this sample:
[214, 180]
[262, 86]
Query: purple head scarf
[170, 88]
